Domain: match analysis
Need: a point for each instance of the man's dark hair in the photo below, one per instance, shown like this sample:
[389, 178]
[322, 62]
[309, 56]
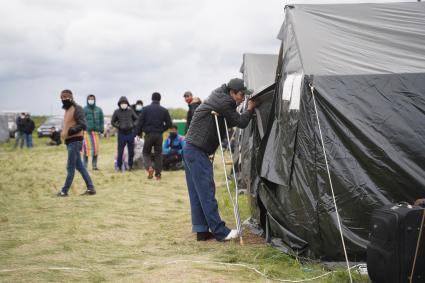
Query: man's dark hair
[174, 126]
[156, 96]
[91, 95]
[139, 102]
[66, 91]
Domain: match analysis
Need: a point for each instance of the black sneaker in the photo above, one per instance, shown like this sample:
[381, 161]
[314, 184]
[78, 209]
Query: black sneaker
[62, 194]
[204, 236]
[89, 192]
[95, 169]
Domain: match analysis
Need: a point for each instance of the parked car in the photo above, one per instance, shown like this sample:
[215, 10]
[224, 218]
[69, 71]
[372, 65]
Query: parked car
[53, 121]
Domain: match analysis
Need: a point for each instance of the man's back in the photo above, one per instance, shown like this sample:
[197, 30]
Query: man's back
[154, 119]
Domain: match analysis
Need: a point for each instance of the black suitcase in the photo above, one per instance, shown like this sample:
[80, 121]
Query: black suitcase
[394, 231]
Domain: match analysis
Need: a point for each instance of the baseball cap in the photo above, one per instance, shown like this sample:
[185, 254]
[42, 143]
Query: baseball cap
[236, 84]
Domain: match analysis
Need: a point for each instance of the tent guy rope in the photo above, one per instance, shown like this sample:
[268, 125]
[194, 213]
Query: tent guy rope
[330, 183]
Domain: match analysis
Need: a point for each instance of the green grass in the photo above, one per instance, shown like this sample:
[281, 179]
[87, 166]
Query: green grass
[133, 230]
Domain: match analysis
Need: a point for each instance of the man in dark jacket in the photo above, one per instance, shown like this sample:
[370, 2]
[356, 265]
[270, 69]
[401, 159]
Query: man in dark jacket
[153, 121]
[73, 126]
[95, 127]
[28, 127]
[193, 103]
[20, 128]
[124, 119]
[137, 108]
[202, 141]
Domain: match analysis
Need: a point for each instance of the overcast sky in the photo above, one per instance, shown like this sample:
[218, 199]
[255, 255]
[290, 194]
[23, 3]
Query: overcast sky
[127, 47]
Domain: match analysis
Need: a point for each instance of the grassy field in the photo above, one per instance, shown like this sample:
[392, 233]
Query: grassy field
[133, 230]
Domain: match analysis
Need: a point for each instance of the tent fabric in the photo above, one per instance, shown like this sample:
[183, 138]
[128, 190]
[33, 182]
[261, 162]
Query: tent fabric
[4, 129]
[258, 70]
[371, 108]
[353, 39]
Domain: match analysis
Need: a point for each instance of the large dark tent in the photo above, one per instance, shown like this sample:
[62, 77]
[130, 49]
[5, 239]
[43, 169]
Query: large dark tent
[365, 65]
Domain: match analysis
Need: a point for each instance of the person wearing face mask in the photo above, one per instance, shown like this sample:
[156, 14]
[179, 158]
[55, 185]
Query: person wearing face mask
[172, 150]
[95, 127]
[73, 126]
[137, 108]
[20, 131]
[124, 119]
[153, 121]
[201, 142]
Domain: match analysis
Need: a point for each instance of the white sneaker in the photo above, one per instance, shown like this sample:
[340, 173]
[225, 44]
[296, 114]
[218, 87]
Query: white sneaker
[233, 234]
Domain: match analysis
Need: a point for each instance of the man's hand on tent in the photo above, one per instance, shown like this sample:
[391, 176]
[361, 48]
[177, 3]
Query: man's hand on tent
[251, 104]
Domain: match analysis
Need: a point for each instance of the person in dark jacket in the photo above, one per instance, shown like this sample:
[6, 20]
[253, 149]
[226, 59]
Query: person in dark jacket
[73, 126]
[20, 128]
[28, 128]
[124, 119]
[55, 137]
[193, 103]
[137, 108]
[153, 121]
[95, 127]
[202, 141]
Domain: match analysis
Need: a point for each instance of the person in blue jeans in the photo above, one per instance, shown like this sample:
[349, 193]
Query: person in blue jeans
[201, 142]
[29, 127]
[74, 125]
[20, 134]
[124, 119]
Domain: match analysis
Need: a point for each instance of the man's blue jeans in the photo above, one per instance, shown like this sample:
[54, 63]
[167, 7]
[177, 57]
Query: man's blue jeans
[125, 139]
[28, 140]
[20, 137]
[200, 183]
[74, 162]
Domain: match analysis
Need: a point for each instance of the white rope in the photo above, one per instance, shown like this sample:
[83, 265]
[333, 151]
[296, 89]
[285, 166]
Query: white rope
[330, 182]
[249, 267]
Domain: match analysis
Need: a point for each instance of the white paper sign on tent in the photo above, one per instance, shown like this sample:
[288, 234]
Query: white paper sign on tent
[296, 93]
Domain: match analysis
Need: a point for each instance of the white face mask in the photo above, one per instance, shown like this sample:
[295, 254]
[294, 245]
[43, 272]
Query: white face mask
[90, 101]
[139, 107]
[123, 106]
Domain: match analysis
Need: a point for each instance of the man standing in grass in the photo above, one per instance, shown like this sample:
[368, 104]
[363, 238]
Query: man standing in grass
[202, 141]
[29, 127]
[124, 119]
[95, 125]
[20, 128]
[154, 120]
[74, 125]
